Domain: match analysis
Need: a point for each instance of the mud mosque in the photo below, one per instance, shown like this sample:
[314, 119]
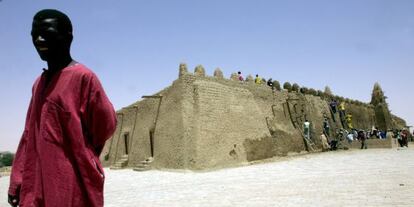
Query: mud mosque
[204, 122]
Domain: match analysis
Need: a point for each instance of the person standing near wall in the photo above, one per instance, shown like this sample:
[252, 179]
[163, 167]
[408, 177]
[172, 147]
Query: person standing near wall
[404, 137]
[326, 127]
[270, 83]
[349, 121]
[333, 106]
[350, 137]
[341, 109]
[306, 129]
[362, 139]
[240, 76]
[324, 141]
[397, 135]
[258, 80]
[67, 123]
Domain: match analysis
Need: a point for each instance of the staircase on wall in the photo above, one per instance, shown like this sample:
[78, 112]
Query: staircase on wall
[144, 165]
[121, 163]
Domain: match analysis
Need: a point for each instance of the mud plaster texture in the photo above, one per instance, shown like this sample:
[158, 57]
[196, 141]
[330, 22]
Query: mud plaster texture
[208, 122]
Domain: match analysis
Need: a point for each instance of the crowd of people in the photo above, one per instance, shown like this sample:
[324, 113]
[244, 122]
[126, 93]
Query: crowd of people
[348, 133]
[257, 80]
[402, 137]
[342, 136]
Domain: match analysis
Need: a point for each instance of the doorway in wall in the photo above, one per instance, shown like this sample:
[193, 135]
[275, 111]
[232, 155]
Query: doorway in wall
[126, 141]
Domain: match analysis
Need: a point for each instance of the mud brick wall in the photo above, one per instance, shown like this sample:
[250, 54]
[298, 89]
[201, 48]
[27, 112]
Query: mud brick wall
[211, 122]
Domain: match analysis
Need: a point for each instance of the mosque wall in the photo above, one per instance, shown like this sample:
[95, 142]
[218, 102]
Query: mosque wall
[210, 122]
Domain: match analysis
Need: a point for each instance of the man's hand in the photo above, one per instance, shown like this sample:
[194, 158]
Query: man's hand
[13, 200]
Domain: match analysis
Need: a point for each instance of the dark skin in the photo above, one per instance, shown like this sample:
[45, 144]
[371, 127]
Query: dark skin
[53, 46]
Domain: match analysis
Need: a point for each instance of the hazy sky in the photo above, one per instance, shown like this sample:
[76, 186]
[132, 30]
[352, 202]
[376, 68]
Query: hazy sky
[135, 47]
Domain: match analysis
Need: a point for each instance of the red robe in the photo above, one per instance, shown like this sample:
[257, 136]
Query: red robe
[68, 121]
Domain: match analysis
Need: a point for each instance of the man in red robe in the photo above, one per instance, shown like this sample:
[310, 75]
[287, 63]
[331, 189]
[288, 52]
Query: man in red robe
[68, 121]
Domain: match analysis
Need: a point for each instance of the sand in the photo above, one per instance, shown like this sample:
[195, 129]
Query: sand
[373, 177]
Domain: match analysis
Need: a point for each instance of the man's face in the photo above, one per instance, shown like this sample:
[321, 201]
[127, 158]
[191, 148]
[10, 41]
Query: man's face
[49, 42]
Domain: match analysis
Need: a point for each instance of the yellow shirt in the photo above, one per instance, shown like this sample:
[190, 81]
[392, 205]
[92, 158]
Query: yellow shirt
[348, 118]
[342, 106]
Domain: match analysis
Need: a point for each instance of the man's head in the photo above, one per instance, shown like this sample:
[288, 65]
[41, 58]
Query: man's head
[51, 34]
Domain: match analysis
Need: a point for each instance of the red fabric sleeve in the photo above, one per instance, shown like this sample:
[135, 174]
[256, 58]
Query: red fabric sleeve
[18, 162]
[100, 116]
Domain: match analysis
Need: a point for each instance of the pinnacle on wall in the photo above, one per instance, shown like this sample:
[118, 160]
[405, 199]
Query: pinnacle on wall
[250, 79]
[304, 90]
[328, 91]
[382, 113]
[287, 86]
[218, 73]
[295, 87]
[234, 77]
[199, 71]
[313, 92]
[182, 70]
[377, 95]
[276, 84]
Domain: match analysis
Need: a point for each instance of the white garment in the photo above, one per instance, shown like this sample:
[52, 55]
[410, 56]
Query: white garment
[306, 125]
[306, 130]
[324, 141]
[350, 137]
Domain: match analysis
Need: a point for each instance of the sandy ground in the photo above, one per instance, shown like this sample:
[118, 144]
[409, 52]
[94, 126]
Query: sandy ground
[374, 177]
